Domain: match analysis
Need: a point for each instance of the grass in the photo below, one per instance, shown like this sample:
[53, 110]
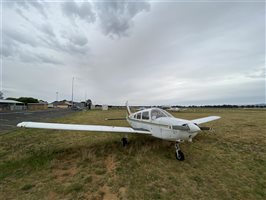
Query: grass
[47, 164]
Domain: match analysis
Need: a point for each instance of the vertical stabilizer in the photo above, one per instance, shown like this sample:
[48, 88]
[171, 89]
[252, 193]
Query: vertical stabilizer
[128, 109]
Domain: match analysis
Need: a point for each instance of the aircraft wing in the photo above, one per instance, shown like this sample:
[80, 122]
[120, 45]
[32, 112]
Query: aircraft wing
[79, 127]
[205, 119]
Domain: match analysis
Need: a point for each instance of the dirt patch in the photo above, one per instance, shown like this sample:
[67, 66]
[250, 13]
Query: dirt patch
[110, 163]
[63, 174]
[122, 192]
[108, 195]
[52, 195]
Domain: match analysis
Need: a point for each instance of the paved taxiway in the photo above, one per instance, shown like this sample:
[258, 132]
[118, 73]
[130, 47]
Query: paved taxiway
[9, 120]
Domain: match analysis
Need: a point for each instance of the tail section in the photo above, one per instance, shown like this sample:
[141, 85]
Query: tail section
[128, 109]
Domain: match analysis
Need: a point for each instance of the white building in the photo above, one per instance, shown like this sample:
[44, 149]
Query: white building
[6, 105]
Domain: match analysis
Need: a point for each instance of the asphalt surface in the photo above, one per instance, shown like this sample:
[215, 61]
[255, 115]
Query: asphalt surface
[9, 120]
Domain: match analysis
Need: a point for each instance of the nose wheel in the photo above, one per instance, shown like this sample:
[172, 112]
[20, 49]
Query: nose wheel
[178, 153]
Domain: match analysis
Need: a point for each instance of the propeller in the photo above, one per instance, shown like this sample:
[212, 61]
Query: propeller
[205, 128]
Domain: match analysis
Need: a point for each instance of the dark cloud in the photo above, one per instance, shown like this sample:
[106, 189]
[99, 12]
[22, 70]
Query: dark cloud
[82, 11]
[116, 17]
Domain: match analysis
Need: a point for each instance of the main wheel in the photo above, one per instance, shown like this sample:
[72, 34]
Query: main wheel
[179, 155]
[124, 141]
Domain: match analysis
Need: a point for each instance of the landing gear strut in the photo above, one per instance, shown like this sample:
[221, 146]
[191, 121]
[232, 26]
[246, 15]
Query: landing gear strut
[178, 153]
[124, 141]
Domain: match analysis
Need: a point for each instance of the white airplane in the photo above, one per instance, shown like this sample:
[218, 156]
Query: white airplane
[176, 109]
[152, 121]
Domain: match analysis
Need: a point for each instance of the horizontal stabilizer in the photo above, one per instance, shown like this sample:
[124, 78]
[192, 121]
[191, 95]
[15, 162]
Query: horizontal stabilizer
[79, 127]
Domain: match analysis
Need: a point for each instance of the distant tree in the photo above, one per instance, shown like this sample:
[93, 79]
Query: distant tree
[11, 98]
[27, 100]
[1, 95]
[88, 104]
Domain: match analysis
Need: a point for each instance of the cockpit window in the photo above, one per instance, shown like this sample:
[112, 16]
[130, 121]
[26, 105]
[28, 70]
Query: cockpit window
[156, 113]
[145, 115]
[167, 113]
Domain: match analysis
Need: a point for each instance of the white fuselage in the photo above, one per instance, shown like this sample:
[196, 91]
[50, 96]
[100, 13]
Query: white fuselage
[163, 125]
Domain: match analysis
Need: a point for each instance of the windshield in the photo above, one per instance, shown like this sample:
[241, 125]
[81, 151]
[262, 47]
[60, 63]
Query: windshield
[157, 113]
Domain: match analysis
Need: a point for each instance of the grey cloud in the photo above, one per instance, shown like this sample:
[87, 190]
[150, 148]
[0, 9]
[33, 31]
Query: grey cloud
[8, 48]
[12, 41]
[39, 7]
[14, 44]
[21, 14]
[47, 29]
[82, 11]
[49, 60]
[75, 44]
[259, 73]
[116, 17]
[26, 4]
[79, 40]
[179, 53]
[30, 57]
[20, 37]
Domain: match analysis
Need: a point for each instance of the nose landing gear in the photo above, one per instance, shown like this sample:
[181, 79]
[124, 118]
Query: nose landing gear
[178, 153]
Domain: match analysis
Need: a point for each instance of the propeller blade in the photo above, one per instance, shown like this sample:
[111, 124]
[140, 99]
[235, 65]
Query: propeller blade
[204, 128]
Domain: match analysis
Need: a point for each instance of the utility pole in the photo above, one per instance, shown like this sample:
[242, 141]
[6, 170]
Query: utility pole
[72, 91]
[56, 96]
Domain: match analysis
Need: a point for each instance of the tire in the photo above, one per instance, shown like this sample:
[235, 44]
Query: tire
[124, 141]
[179, 156]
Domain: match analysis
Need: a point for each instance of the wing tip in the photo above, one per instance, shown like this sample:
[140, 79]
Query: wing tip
[22, 124]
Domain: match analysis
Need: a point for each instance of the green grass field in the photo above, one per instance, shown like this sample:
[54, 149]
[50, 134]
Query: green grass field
[227, 164]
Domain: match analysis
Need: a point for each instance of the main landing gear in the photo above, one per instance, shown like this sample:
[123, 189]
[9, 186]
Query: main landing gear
[124, 141]
[178, 153]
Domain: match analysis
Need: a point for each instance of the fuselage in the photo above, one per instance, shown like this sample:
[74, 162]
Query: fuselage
[163, 125]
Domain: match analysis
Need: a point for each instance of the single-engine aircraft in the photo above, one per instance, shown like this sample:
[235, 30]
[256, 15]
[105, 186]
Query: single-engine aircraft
[176, 109]
[152, 121]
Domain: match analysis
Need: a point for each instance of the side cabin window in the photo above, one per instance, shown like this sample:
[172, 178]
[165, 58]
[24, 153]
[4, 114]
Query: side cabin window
[145, 115]
[135, 116]
[156, 113]
[138, 115]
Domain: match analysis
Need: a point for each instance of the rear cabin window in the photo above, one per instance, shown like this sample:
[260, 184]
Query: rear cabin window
[139, 116]
[145, 115]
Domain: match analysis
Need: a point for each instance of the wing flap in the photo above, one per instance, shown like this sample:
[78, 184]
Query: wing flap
[205, 119]
[79, 127]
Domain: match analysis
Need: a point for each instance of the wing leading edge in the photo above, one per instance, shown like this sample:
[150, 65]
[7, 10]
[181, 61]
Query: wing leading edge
[79, 127]
[205, 119]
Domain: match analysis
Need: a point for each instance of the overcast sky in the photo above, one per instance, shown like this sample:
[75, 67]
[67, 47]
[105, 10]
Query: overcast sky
[147, 52]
